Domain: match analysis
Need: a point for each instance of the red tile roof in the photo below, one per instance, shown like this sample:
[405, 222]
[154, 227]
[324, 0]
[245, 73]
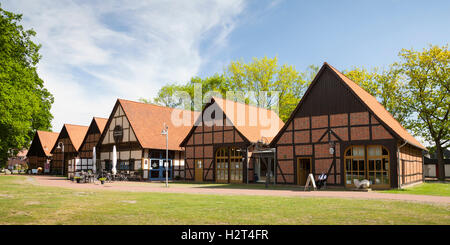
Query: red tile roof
[252, 130]
[48, 140]
[378, 109]
[22, 153]
[101, 123]
[147, 121]
[76, 134]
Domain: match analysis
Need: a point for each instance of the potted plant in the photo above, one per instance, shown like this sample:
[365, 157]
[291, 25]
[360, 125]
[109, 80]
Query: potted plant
[77, 178]
[102, 180]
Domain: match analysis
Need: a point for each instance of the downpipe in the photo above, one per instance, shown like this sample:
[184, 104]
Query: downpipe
[398, 164]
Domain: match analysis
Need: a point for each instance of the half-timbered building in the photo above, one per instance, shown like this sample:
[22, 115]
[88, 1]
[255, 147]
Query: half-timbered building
[39, 155]
[341, 130]
[220, 145]
[134, 130]
[90, 141]
[66, 147]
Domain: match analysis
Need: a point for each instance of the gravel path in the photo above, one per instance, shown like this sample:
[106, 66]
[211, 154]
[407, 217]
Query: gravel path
[152, 187]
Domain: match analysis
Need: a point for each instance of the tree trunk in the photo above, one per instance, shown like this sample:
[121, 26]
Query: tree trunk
[441, 165]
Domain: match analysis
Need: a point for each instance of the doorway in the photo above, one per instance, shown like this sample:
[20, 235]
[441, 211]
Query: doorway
[264, 166]
[303, 169]
[229, 165]
[199, 171]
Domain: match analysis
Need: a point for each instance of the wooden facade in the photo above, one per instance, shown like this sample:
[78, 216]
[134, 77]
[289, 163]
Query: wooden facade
[410, 165]
[71, 136]
[39, 152]
[128, 129]
[129, 151]
[217, 149]
[89, 142]
[202, 152]
[363, 146]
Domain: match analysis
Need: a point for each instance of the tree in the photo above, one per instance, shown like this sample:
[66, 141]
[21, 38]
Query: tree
[24, 101]
[428, 95]
[262, 82]
[166, 95]
[264, 77]
[386, 85]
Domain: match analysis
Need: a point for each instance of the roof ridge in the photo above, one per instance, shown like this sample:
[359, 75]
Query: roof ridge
[344, 77]
[77, 125]
[47, 131]
[238, 102]
[155, 105]
[340, 73]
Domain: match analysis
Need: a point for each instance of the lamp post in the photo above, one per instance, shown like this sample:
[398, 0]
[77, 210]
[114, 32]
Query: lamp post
[165, 132]
[61, 146]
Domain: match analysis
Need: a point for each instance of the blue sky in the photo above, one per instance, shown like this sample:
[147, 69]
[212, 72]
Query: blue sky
[97, 51]
[344, 33]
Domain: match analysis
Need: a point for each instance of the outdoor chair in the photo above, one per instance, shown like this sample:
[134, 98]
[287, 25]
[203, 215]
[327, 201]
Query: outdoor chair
[322, 181]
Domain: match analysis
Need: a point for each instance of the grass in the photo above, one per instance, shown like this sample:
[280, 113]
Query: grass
[433, 189]
[21, 202]
[209, 185]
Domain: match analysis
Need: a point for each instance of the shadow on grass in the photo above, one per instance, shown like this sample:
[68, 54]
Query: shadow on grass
[252, 186]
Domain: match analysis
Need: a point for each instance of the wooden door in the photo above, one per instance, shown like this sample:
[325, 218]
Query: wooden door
[199, 171]
[303, 170]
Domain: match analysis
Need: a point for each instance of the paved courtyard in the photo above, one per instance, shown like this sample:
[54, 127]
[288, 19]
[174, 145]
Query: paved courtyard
[212, 190]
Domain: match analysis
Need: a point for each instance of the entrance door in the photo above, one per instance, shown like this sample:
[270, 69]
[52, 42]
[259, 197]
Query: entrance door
[199, 171]
[222, 158]
[229, 165]
[236, 166]
[158, 169]
[303, 170]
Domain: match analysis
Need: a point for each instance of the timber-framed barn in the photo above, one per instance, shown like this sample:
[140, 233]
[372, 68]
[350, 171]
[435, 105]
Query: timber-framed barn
[39, 155]
[70, 138]
[84, 160]
[220, 146]
[134, 130]
[341, 130]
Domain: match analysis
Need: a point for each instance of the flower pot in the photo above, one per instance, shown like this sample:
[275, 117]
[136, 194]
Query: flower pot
[103, 182]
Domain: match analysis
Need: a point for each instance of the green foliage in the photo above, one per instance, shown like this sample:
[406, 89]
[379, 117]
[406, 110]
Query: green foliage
[246, 81]
[427, 74]
[386, 86]
[266, 75]
[428, 95]
[167, 94]
[24, 102]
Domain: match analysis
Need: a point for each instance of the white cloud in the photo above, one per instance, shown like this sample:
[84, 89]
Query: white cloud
[97, 51]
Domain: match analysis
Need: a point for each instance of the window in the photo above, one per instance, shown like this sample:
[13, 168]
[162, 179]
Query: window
[374, 166]
[229, 164]
[124, 165]
[378, 170]
[355, 164]
[108, 165]
[222, 165]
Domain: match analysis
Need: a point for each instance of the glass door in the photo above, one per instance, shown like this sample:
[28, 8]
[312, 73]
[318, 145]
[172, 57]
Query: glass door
[222, 165]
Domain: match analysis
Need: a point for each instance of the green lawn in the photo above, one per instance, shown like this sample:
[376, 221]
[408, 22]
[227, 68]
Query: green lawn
[24, 203]
[434, 189]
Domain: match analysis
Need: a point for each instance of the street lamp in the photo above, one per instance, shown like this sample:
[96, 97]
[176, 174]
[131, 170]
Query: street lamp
[165, 132]
[61, 146]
